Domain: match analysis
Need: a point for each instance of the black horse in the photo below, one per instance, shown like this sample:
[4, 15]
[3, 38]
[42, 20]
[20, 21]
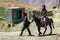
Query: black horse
[49, 22]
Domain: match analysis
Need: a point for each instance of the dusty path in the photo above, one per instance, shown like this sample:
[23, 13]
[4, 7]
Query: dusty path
[15, 36]
[15, 32]
[5, 37]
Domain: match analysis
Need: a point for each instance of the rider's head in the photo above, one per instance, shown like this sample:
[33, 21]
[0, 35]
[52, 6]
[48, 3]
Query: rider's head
[43, 7]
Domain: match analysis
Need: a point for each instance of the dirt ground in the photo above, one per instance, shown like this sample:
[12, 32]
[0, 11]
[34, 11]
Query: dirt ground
[14, 32]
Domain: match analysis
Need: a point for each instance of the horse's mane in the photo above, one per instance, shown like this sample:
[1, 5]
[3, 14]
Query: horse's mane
[37, 18]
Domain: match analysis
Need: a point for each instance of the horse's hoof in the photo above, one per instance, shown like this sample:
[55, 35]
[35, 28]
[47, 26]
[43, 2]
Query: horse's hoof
[43, 34]
[20, 35]
[50, 34]
[31, 35]
[40, 33]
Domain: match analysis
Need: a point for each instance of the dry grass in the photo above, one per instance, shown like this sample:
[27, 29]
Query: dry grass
[14, 3]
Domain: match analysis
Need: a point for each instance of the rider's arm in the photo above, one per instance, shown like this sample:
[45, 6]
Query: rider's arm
[46, 13]
[41, 13]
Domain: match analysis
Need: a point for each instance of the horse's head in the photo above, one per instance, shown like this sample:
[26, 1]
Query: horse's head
[35, 18]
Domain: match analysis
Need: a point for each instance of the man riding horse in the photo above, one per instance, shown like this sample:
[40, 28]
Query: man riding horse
[44, 21]
[43, 15]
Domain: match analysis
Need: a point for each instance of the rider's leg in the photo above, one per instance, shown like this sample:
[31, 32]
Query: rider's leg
[29, 31]
[45, 30]
[44, 21]
[45, 25]
[22, 31]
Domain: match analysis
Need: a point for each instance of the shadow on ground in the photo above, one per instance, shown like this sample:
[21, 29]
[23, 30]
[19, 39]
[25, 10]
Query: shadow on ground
[40, 35]
[47, 35]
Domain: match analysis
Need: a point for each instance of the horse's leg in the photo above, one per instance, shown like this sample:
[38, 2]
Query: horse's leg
[39, 29]
[29, 31]
[45, 30]
[22, 31]
[50, 28]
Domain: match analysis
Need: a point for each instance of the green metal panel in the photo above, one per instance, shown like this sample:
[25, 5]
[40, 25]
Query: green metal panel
[17, 14]
[12, 15]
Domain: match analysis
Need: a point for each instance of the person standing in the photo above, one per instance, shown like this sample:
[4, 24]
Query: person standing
[26, 25]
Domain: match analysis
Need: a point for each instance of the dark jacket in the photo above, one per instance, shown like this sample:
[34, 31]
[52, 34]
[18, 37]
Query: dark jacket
[44, 13]
[26, 21]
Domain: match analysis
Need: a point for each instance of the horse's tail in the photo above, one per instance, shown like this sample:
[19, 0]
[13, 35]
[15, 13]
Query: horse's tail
[52, 23]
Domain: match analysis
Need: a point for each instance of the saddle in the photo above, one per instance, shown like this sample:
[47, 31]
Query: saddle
[42, 21]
